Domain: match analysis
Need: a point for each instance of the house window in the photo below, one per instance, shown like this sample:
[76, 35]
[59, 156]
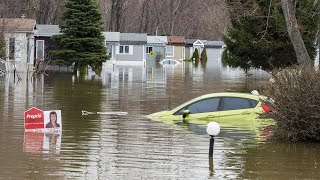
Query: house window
[40, 49]
[149, 49]
[169, 51]
[124, 50]
[12, 48]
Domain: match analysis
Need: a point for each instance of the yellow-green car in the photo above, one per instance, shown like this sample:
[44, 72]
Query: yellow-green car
[228, 109]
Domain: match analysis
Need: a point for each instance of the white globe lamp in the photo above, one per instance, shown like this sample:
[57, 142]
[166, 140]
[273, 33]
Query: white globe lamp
[213, 128]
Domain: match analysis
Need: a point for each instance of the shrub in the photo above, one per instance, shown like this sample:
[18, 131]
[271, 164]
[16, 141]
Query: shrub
[195, 55]
[204, 57]
[296, 94]
[158, 57]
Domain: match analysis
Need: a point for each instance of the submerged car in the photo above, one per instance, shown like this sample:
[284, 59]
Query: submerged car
[169, 62]
[227, 108]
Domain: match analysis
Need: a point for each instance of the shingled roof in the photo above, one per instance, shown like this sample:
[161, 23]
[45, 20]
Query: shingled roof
[176, 40]
[18, 24]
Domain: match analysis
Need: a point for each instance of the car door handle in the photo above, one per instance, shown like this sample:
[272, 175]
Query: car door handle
[246, 112]
[212, 116]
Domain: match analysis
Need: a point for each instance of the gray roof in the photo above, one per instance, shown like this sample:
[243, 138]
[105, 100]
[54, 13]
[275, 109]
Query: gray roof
[133, 38]
[155, 40]
[112, 36]
[190, 41]
[47, 30]
[213, 44]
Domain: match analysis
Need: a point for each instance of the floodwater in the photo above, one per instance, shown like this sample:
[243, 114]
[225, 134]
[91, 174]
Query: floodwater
[99, 146]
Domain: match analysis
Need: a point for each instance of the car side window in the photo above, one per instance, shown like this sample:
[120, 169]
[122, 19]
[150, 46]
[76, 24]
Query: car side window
[202, 106]
[234, 103]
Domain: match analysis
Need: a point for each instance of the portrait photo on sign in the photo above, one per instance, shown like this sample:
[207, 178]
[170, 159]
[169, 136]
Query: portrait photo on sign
[52, 119]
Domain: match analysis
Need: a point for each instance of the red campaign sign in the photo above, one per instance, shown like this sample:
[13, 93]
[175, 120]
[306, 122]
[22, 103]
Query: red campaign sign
[33, 119]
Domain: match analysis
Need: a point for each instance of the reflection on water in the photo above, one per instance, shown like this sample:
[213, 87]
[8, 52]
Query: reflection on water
[132, 146]
[42, 142]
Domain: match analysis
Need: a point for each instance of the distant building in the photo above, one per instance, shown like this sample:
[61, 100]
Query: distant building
[131, 50]
[19, 42]
[191, 45]
[156, 48]
[112, 40]
[44, 42]
[175, 48]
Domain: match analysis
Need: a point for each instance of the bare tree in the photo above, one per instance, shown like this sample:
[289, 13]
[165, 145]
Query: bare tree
[193, 19]
[166, 14]
[144, 16]
[316, 4]
[116, 19]
[48, 11]
[214, 20]
[294, 32]
[13, 8]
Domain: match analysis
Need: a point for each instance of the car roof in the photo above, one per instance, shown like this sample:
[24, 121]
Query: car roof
[222, 94]
[231, 94]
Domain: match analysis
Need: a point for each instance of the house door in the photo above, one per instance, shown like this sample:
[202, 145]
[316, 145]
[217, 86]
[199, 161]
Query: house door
[40, 50]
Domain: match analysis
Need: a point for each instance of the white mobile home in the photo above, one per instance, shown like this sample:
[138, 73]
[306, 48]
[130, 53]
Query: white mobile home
[18, 34]
[131, 50]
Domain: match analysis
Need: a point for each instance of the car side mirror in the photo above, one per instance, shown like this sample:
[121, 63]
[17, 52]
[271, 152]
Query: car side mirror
[185, 113]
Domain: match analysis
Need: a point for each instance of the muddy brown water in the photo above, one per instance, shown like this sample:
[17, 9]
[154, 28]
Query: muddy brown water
[133, 146]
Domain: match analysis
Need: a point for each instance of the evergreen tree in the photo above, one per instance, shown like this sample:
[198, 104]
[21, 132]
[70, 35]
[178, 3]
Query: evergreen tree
[81, 42]
[195, 55]
[204, 57]
[260, 40]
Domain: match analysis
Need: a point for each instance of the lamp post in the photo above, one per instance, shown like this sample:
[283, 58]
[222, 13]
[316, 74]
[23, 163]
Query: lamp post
[213, 129]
